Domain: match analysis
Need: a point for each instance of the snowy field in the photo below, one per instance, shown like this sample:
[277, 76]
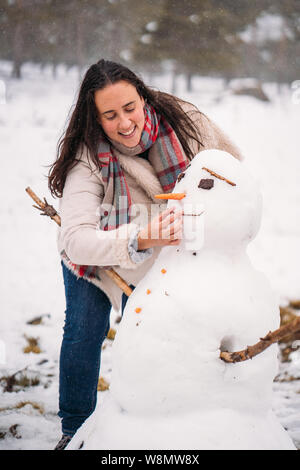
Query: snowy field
[32, 117]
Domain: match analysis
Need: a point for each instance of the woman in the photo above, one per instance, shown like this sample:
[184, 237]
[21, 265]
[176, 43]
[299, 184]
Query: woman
[124, 144]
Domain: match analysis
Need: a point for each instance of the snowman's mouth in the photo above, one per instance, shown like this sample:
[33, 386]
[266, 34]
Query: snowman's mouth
[193, 215]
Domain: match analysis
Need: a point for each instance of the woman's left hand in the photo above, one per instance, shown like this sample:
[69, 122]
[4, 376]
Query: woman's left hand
[164, 229]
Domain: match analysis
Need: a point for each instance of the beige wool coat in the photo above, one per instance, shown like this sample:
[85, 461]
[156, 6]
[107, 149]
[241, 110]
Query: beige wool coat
[83, 194]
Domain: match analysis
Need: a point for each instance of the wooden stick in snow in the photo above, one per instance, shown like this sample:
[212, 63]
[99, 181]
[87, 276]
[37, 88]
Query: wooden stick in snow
[49, 210]
[272, 337]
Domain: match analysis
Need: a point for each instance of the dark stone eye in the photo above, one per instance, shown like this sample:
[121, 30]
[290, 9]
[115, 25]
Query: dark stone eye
[180, 176]
[206, 183]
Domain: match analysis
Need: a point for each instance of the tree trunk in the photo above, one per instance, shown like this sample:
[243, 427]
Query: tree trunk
[79, 43]
[189, 78]
[174, 82]
[17, 51]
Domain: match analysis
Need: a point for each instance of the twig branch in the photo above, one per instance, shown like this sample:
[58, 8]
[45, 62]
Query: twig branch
[272, 337]
[46, 208]
[218, 176]
[49, 210]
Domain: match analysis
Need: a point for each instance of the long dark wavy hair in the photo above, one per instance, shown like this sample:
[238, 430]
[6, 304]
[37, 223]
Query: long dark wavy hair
[84, 128]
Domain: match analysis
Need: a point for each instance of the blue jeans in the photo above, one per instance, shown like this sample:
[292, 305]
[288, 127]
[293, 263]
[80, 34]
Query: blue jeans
[86, 326]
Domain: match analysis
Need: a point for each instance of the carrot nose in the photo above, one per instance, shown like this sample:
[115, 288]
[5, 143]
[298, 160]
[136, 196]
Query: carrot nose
[176, 196]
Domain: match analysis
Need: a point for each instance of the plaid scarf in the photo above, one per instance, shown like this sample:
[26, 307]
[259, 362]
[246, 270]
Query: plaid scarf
[160, 139]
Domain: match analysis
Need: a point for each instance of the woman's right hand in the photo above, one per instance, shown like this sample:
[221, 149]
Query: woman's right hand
[164, 229]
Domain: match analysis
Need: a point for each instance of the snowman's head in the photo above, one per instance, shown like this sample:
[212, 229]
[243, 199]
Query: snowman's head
[219, 189]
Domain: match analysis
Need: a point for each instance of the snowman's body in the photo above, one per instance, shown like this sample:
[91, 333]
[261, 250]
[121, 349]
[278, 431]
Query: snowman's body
[170, 389]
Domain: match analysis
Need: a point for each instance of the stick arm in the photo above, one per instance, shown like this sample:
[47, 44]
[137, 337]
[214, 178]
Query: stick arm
[271, 338]
[47, 209]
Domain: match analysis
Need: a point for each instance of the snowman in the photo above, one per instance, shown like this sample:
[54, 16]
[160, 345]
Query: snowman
[169, 388]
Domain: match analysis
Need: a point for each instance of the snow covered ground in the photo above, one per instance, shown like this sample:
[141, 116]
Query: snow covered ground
[32, 117]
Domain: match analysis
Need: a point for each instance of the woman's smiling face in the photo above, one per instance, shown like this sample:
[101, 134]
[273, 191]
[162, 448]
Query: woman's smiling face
[121, 112]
